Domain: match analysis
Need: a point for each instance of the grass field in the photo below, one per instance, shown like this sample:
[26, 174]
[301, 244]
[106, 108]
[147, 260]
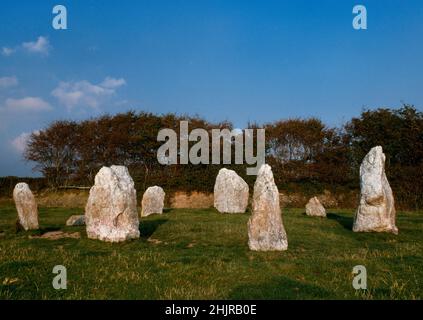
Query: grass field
[201, 254]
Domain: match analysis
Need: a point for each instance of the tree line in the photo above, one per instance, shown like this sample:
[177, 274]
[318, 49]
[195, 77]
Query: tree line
[305, 154]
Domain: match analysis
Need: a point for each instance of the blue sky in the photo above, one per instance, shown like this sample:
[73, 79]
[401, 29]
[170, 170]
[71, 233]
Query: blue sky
[224, 60]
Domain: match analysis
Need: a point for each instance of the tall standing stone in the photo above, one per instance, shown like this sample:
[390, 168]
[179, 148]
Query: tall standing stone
[265, 228]
[111, 211]
[314, 208]
[152, 201]
[230, 192]
[376, 211]
[26, 206]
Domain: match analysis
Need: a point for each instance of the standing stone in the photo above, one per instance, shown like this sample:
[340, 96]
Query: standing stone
[26, 206]
[78, 220]
[265, 228]
[314, 208]
[230, 192]
[111, 211]
[152, 201]
[376, 211]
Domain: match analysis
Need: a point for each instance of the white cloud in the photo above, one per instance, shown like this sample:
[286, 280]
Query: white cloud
[6, 82]
[20, 142]
[85, 94]
[27, 104]
[7, 51]
[113, 83]
[41, 46]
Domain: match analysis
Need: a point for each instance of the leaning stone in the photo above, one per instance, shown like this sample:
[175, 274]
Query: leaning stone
[230, 192]
[376, 211]
[74, 221]
[314, 208]
[111, 211]
[265, 228]
[152, 201]
[26, 207]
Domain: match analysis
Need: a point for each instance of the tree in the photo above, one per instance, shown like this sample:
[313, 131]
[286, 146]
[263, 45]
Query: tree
[54, 151]
[400, 133]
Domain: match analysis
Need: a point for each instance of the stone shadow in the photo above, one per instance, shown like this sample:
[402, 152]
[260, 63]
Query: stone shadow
[346, 222]
[36, 232]
[280, 288]
[44, 230]
[148, 227]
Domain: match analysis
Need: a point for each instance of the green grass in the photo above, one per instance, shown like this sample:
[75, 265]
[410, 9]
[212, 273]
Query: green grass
[201, 254]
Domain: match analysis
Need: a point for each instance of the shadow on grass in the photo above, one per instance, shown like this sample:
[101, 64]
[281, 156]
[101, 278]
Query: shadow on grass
[147, 227]
[280, 288]
[44, 230]
[37, 232]
[17, 266]
[346, 222]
